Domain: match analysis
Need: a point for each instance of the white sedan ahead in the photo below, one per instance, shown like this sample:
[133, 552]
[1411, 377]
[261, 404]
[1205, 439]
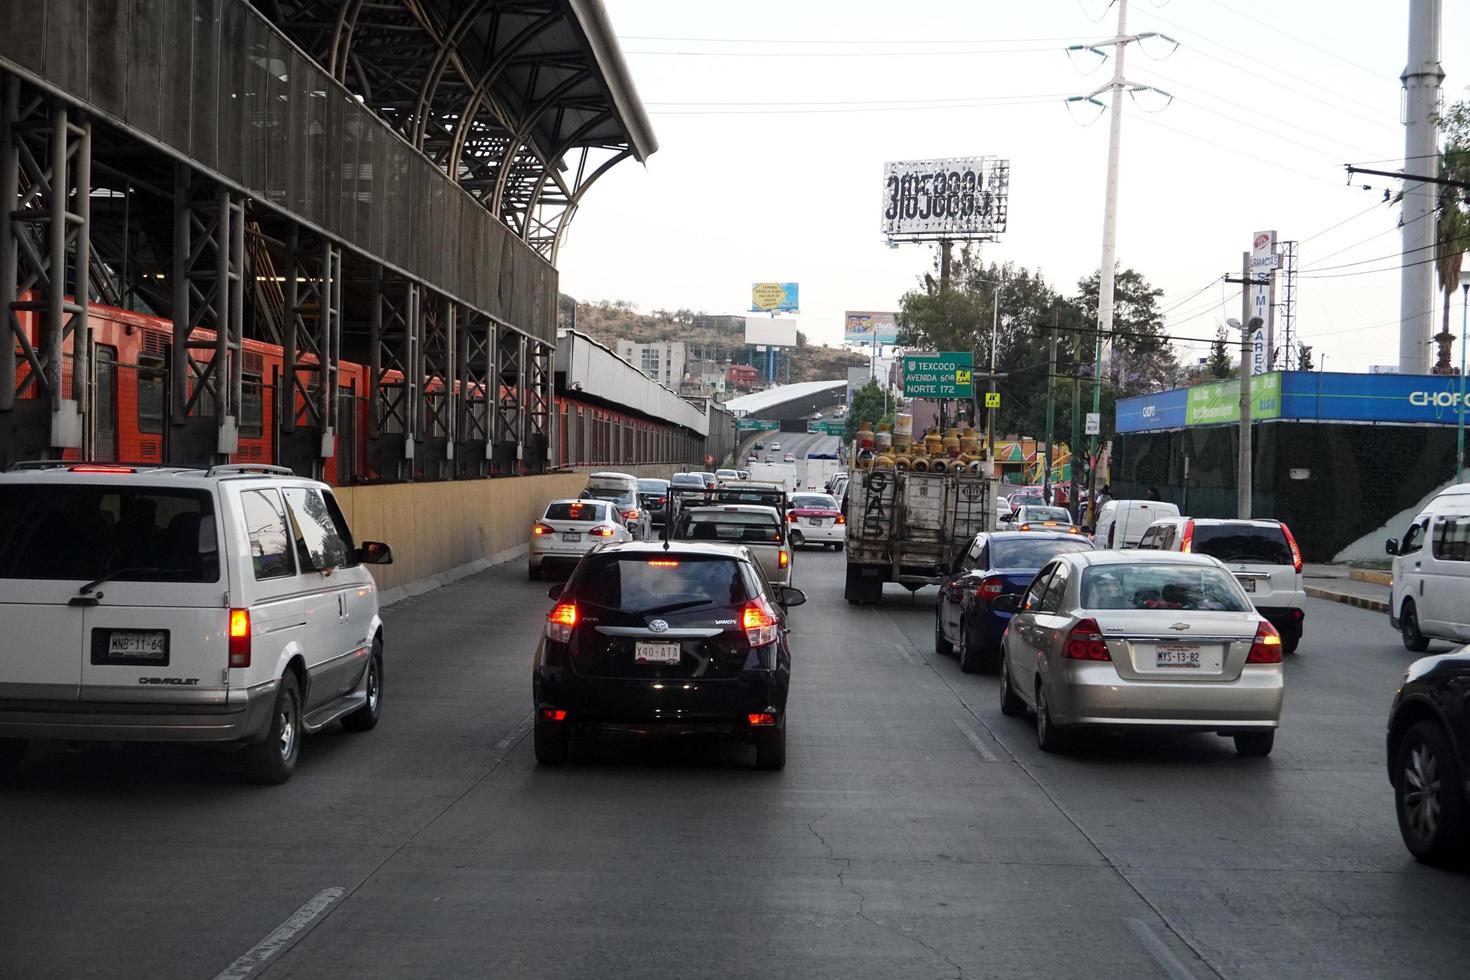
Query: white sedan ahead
[571, 528]
[817, 518]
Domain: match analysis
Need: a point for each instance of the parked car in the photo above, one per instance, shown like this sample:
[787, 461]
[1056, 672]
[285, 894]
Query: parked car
[689, 637]
[228, 606]
[568, 529]
[1431, 573]
[1428, 756]
[1262, 554]
[1153, 640]
[816, 519]
[1121, 523]
[653, 496]
[996, 564]
[759, 528]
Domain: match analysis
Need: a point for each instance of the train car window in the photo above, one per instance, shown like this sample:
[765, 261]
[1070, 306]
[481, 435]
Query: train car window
[152, 378]
[252, 406]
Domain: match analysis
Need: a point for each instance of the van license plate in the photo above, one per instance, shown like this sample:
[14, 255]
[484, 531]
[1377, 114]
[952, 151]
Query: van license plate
[1247, 582]
[656, 653]
[1184, 655]
[137, 644]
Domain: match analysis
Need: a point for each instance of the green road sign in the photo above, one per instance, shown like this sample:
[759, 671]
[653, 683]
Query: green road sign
[756, 425]
[945, 374]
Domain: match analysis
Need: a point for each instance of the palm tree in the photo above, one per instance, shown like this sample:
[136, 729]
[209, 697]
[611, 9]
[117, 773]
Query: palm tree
[1451, 238]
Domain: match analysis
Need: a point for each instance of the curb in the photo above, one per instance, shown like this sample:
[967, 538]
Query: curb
[1362, 602]
[1368, 575]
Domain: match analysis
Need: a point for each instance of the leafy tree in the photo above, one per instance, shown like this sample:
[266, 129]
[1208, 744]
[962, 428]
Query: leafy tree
[1304, 357]
[1452, 226]
[869, 404]
[1142, 358]
[1219, 363]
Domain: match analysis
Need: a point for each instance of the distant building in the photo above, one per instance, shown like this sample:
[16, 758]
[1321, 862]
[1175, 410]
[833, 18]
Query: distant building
[663, 362]
[742, 376]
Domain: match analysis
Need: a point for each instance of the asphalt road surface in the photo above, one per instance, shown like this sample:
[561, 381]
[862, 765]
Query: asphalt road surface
[914, 832]
[796, 443]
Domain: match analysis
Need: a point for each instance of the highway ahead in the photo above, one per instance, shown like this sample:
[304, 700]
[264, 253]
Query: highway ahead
[914, 832]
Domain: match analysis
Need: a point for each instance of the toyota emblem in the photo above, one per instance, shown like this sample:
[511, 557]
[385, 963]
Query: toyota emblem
[658, 625]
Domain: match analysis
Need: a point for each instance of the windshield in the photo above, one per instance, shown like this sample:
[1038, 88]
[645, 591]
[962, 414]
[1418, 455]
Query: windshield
[1046, 514]
[565, 511]
[653, 486]
[644, 583]
[1024, 552]
[623, 498]
[1186, 587]
[813, 501]
[1244, 543]
[744, 527]
[134, 534]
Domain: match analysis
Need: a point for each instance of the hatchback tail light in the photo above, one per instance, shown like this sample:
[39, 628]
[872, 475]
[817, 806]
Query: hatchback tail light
[561, 622]
[541, 527]
[1085, 642]
[1296, 553]
[991, 588]
[759, 623]
[1186, 543]
[239, 637]
[1266, 649]
[603, 531]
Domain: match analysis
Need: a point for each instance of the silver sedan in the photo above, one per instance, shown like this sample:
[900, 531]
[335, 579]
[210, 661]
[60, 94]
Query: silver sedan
[1141, 640]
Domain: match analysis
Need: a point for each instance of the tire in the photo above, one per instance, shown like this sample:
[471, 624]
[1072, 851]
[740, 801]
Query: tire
[1011, 704]
[837, 546]
[12, 751]
[272, 760]
[553, 740]
[972, 661]
[770, 747]
[1288, 646]
[1048, 737]
[365, 719]
[533, 572]
[941, 646]
[1414, 641]
[1428, 797]
[1255, 745]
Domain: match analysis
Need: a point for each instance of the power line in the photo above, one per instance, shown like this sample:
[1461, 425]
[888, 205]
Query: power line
[837, 41]
[1368, 272]
[1370, 238]
[1376, 73]
[864, 102]
[1230, 149]
[1374, 206]
[842, 109]
[840, 54]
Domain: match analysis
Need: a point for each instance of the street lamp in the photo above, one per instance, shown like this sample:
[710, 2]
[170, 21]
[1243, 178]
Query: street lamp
[1460, 428]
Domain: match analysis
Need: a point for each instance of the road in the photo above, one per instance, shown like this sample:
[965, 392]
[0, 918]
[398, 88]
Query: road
[914, 833]
[798, 444]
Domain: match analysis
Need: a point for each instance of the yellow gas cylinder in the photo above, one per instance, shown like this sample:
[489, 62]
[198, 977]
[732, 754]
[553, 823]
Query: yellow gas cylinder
[865, 436]
[883, 438]
[921, 464]
[902, 463]
[940, 464]
[933, 444]
[951, 443]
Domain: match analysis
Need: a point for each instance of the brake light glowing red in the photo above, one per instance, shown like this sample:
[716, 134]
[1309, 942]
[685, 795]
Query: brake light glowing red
[763, 719]
[841, 519]
[1266, 648]
[791, 516]
[664, 564]
[553, 714]
[991, 588]
[561, 622]
[239, 646]
[603, 531]
[1296, 553]
[541, 527]
[759, 623]
[1085, 642]
[1186, 543]
[101, 469]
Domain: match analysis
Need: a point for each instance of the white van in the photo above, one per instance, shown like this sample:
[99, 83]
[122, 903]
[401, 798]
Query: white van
[1122, 523]
[1431, 573]
[165, 604]
[622, 489]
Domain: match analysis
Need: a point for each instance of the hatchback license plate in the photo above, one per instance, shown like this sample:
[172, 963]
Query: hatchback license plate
[1247, 582]
[571, 535]
[139, 644]
[1174, 655]
[655, 653]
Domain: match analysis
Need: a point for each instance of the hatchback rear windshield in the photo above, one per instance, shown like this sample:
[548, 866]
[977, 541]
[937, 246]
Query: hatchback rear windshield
[652, 486]
[1033, 552]
[742, 526]
[813, 501]
[687, 480]
[585, 511]
[658, 583]
[623, 498]
[133, 534]
[1161, 587]
[1244, 543]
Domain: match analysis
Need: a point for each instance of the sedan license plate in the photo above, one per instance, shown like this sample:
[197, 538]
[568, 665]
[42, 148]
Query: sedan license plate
[137, 644]
[1247, 582]
[1177, 655]
[571, 535]
[655, 653]
[814, 521]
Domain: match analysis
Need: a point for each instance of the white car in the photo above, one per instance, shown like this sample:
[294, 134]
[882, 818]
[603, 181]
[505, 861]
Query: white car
[757, 527]
[815, 518]
[1121, 523]
[161, 604]
[1431, 573]
[1262, 554]
[568, 530]
[776, 446]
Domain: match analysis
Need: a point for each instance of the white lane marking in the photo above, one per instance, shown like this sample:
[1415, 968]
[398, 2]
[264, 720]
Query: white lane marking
[1158, 950]
[515, 733]
[975, 740]
[285, 935]
[908, 658]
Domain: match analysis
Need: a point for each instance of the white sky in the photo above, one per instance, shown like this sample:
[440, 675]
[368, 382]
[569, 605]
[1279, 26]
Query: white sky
[760, 176]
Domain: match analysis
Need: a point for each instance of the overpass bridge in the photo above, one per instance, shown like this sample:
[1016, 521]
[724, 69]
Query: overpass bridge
[791, 401]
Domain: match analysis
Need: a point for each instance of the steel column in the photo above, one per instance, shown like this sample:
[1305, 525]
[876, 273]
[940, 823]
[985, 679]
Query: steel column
[11, 331]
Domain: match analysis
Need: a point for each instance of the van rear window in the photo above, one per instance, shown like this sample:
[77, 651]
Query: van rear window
[1243, 543]
[134, 534]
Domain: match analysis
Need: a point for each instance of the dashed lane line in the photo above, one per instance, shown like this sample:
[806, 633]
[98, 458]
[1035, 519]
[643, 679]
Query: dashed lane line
[283, 937]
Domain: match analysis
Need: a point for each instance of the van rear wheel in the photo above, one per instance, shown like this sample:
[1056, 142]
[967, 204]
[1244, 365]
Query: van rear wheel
[272, 760]
[365, 719]
[1414, 641]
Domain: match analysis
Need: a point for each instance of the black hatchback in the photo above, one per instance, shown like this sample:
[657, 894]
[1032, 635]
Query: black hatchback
[1429, 756]
[674, 638]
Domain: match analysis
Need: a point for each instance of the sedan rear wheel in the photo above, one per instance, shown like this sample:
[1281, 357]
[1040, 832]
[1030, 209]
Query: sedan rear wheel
[941, 646]
[1428, 797]
[1255, 744]
[1048, 736]
[972, 661]
[1011, 704]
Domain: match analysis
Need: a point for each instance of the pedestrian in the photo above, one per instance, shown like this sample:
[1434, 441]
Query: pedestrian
[1104, 495]
[1153, 494]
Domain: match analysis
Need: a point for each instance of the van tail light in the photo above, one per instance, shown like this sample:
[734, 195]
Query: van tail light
[759, 623]
[1267, 646]
[1085, 642]
[541, 527]
[239, 637]
[1186, 543]
[561, 621]
[603, 531]
[785, 559]
[1296, 553]
[991, 588]
[841, 519]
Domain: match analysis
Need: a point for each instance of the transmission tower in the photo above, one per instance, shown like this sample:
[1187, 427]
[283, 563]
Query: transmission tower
[1286, 307]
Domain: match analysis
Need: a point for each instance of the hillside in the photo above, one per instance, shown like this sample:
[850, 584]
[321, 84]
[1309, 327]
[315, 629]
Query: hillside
[714, 337]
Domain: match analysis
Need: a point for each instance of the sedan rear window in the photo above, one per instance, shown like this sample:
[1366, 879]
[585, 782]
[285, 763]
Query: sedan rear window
[1034, 513]
[654, 583]
[584, 511]
[1033, 552]
[688, 480]
[816, 501]
[1178, 587]
[133, 534]
[1243, 543]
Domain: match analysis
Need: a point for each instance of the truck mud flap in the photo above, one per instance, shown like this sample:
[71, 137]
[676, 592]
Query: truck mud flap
[864, 584]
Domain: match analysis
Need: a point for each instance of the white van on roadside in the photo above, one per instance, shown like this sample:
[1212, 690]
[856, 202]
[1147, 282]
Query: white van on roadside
[1431, 573]
[1122, 523]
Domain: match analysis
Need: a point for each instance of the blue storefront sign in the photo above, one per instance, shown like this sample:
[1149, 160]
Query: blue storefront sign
[1318, 396]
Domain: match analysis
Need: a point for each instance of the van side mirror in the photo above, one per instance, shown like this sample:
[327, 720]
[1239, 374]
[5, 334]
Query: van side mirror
[554, 593]
[1006, 603]
[1391, 546]
[374, 553]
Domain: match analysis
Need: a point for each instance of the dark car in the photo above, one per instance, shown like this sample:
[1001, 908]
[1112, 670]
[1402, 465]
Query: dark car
[678, 638]
[1428, 751]
[1002, 563]
[653, 495]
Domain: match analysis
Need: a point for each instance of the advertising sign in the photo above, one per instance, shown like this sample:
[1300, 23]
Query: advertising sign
[866, 327]
[944, 374]
[1421, 398]
[1263, 300]
[1163, 410]
[766, 297]
[776, 331]
[962, 199]
[1219, 403]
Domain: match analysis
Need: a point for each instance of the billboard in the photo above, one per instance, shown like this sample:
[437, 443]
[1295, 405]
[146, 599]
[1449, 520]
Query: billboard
[867, 327]
[1264, 261]
[766, 297]
[945, 374]
[776, 331]
[1217, 403]
[959, 199]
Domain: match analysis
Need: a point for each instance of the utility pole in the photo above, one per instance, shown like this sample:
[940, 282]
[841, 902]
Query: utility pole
[1422, 77]
[944, 306]
[1076, 435]
[1051, 406]
[994, 339]
[1248, 325]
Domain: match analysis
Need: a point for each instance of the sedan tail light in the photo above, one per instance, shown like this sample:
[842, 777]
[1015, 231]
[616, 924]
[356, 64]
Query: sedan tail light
[759, 623]
[1186, 543]
[239, 637]
[841, 519]
[991, 588]
[603, 531]
[541, 527]
[1266, 649]
[561, 621]
[1085, 642]
[631, 514]
[791, 516]
[1296, 553]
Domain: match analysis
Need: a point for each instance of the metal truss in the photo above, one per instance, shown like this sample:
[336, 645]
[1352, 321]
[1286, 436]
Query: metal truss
[540, 401]
[478, 383]
[312, 336]
[45, 235]
[510, 407]
[437, 357]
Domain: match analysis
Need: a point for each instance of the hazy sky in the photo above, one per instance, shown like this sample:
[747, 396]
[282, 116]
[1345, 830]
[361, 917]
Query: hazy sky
[775, 118]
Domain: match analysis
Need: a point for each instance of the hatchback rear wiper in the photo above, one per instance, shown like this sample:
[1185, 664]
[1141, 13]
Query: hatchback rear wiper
[675, 607]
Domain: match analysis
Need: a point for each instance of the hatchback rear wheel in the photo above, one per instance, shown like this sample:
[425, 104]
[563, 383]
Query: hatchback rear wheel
[1255, 744]
[553, 740]
[770, 747]
[1428, 797]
